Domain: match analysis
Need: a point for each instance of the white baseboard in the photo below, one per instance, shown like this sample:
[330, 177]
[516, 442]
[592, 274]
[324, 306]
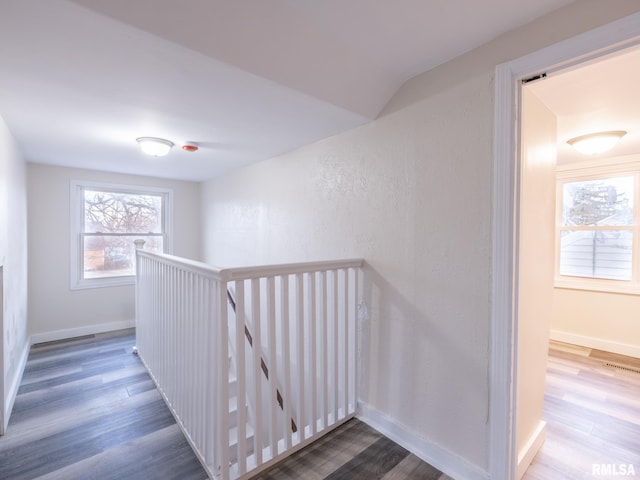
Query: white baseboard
[81, 331]
[597, 343]
[530, 449]
[436, 456]
[13, 388]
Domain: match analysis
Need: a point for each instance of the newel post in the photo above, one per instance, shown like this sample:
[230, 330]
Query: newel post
[139, 243]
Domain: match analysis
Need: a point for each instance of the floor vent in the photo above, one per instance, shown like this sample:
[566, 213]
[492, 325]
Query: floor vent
[622, 367]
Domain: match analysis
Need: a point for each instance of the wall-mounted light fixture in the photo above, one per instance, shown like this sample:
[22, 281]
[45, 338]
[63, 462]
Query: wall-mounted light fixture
[598, 142]
[157, 147]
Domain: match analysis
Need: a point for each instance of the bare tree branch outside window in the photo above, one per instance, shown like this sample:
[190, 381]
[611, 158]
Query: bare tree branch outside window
[112, 221]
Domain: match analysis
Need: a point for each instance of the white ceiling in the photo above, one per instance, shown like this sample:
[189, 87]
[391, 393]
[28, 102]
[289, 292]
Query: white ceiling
[600, 96]
[245, 79]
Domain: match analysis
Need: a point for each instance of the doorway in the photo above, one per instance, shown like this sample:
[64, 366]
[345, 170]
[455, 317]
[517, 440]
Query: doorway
[580, 50]
[569, 301]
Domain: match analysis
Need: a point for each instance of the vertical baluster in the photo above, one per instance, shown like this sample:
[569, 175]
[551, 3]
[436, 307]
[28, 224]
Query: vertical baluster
[182, 338]
[210, 419]
[195, 393]
[299, 312]
[335, 347]
[168, 321]
[203, 364]
[313, 373]
[197, 363]
[241, 378]
[156, 329]
[347, 365]
[354, 345]
[183, 326]
[324, 348]
[257, 356]
[162, 327]
[194, 349]
[356, 316]
[155, 320]
[222, 370]
[150, 320]
[273, 371]
[188, 327]
[286, 355]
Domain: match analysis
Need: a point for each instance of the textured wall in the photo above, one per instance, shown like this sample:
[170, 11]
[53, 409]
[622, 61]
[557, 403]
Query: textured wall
[52, 305]
[13, 258]
[416, 206]
[411, 194]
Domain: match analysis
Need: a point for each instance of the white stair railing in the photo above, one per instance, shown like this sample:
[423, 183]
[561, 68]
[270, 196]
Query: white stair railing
[292, 336]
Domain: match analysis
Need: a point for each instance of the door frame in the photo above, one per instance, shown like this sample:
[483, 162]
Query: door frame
[587, 47]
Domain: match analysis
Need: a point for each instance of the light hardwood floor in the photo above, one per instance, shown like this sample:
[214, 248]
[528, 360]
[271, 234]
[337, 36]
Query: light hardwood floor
[87, 409]
[593, 416]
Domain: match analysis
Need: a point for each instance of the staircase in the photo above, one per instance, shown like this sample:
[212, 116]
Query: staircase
[233, 419]
[278, 374]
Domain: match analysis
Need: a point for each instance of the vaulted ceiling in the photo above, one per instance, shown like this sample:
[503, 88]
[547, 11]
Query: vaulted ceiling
[244, 79]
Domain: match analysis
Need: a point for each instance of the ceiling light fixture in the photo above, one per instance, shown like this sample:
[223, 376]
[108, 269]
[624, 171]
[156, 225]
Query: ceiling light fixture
[158, 147]
[598, 142]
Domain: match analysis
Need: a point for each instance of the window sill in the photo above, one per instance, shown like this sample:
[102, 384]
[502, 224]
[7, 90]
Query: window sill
[602, 286]
[103, 282]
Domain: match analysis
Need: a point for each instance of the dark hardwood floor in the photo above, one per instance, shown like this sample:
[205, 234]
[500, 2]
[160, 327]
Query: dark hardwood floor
[354, 451]
[593, 416]
[87, 409]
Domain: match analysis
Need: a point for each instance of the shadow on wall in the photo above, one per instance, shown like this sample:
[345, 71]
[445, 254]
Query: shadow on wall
[411, 365]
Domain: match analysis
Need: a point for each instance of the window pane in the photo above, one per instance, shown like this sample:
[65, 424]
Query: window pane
[113, 212]
[106, 256]
[596, 254]
[607, 201]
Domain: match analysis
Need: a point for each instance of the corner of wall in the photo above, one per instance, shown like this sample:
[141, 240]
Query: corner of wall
[12, 390]
[531, 448]
[435, 455]
[66, 333]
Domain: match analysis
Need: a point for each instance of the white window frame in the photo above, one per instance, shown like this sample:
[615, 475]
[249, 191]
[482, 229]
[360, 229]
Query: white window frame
[628, 165]
[77, 188]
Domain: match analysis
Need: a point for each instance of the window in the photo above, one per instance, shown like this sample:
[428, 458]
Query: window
[107, 221]
[597, 227]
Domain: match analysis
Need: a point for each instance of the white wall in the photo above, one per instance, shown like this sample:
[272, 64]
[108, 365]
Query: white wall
[535, 282]
[411, 193]
[13, 260]
[595, 319]
[54, 309]
[606, 321]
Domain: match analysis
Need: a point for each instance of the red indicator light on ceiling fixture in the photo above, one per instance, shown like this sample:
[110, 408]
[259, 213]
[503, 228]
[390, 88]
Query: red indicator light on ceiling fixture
[190, 148]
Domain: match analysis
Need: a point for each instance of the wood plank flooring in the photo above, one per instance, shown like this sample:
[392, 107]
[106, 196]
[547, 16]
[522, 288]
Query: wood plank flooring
[592, 413]
[354, 451]
[87, 409]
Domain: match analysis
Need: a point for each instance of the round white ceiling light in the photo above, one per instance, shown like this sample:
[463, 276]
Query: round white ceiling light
[157, 147]
[598, 142]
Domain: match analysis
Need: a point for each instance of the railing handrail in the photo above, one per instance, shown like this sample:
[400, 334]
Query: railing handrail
[244, 273]
[199, 267]
[303, 338]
